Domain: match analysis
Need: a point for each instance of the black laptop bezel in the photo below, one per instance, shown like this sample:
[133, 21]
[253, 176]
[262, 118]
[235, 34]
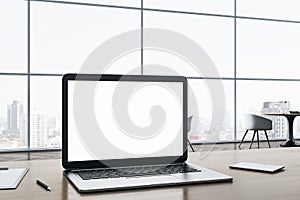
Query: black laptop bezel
[125, 162]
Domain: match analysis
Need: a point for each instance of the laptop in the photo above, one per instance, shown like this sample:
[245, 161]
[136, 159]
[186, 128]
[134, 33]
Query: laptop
[127, 131]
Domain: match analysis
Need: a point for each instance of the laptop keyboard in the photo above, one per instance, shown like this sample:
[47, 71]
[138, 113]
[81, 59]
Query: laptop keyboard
[135, 171]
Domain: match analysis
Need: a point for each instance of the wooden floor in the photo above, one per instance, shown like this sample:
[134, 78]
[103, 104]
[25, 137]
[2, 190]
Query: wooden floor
[45, 155]
[235, 146]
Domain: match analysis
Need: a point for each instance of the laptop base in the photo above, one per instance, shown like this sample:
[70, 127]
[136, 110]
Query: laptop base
[124, 183]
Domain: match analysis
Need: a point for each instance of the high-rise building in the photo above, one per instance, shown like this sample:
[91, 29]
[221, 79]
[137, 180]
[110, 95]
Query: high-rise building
[16, 123]
[53, 126]
[279, 123]
[54, 134]
[14, 116]
[23, 131]
[39, 130]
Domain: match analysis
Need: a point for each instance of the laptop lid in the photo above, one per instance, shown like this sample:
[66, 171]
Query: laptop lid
[123, 120]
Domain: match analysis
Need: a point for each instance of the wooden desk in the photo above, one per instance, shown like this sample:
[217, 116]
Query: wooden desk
[290, 141]
[246, 185]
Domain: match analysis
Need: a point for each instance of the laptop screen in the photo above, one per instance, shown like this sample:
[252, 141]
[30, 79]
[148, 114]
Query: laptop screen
[124, 119]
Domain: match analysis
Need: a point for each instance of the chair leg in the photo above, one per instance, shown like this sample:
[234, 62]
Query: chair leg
[257, 139]
[252, 139]
[243, 138]
[267, 138]
[191, 145]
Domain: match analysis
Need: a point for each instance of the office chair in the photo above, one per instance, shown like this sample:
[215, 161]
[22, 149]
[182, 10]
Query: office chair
[255, 123]
[188, 130]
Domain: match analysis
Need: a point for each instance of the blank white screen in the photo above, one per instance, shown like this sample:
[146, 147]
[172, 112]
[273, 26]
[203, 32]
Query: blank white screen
[114, 141]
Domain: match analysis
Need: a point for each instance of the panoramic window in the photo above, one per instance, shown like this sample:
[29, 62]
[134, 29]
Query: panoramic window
[256, 59]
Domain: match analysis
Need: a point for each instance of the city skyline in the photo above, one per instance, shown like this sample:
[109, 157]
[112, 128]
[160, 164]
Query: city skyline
[45, 130]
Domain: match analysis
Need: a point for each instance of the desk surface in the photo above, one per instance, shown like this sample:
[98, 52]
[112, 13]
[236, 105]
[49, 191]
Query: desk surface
[246, 185]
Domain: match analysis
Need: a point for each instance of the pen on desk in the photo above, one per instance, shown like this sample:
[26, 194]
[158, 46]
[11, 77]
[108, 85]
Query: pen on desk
[43, 185]
[3, 168]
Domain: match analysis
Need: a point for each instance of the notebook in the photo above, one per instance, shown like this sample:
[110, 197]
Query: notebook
[127, 132]
[11, 178]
